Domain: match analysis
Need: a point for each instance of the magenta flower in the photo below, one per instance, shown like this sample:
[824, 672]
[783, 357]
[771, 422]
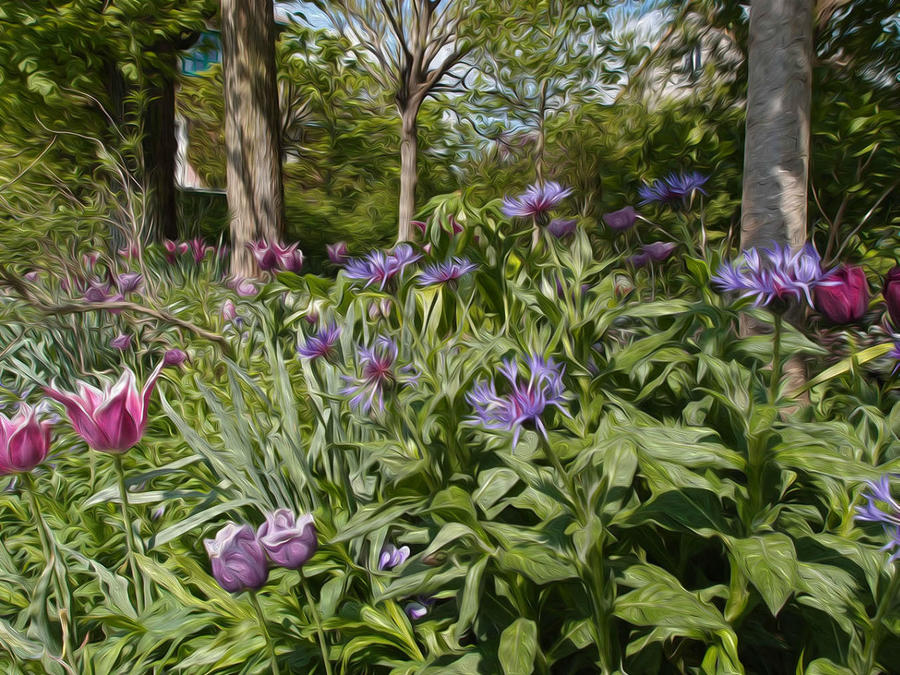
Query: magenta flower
[24, 441]
[535, 201]
[237, 558]
[121, 342]
[199, 249]
[111, 420]
[243, 287]
[338, 252]
[229, 311]
[621, 220]
[289, 543]
[445, 272]
[891, 294]
[266, 255]
[130, 251]
[658, 251]
[777, 274]
[391, 556]
[525, 401]
[847, 300]
[320, 345]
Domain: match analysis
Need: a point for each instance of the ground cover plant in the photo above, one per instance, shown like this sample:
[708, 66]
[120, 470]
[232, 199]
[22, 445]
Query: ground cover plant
[511, 445]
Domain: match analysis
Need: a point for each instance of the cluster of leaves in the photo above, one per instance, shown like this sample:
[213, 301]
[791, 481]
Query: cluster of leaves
[678, 521]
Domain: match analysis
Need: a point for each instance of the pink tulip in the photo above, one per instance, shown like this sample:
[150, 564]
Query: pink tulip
[111, 420]
[24, 441]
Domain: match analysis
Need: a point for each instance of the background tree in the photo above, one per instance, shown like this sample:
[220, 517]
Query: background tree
[252, 128]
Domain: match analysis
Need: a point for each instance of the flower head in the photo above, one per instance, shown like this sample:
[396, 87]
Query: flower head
[419, 608]
[445, 272]
[379, 373]
[129, 282]
[847, 300]
[121, 342]
[391, 556]
[535, 201]
[381, 267]
[881, 507]
[24, 441]
[337, 252]
[562, 227]
[774, 274]
[113, 419]
[891, 293]
[290, 258]
[525, 401]
[237, 558]
[672, 189]
[266, 254]
[289, 542]
[199, 248]
[320, 345]
[621, 220]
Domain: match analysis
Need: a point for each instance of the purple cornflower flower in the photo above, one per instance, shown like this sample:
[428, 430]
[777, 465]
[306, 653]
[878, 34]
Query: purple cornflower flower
[337, 252]
[673, 188]
[379, 373]
[380, 267]
[526, 400]
[880, 491]
[320, 345]
[445, 272]
[777, 274]
[535, 201]
[130, 281]
[562, 227]
[621, 220]
[391, 556]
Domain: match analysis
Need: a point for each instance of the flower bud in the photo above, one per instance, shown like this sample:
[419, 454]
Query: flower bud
[288, 542]
[24, 441]
[237, 558]
[847, 298]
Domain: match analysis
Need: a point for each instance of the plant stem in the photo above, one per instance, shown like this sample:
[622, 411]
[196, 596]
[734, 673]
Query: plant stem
[315, 612]
[874, 638]
[273, 660]
[776, 358]
[129, 535]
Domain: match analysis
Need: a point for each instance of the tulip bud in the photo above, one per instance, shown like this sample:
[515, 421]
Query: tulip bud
[288, 543]
[175, 357]
[130, 281]
[891, 293]
[337, 253]
[237, 558]
[391, 556]
[24, 441]
[121, 341]
[620, 220]
[229, 311]
[846, 298]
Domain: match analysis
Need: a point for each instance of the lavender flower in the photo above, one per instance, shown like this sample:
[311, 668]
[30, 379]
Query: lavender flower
[379, 374]
[243, 287]
[778, 274]
[237, 558]
[445, 272]
[880, 493]
[266, 254]
[391, 556]
[526, 401]
[290, 258]
[672, 189]
[337, 253]
[620, 220]
[229, 311]
[535, 201]
[562, 227]
[380, 267]
[419, 608]
[320, 345]
[288, 541]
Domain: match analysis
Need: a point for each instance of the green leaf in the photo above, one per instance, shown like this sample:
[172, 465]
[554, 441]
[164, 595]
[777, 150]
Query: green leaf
[769, 561]
[518, 646]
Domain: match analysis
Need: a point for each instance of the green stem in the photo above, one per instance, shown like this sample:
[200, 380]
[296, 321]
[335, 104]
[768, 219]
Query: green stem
[49, 551]
[776, 359]
[874, 638]
[273, 660]
[323, 646]
[129, 535]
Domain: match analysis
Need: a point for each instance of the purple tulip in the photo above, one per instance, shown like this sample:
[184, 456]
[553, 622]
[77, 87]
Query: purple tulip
[24, 441]
[562, 227]
[848, 299]
[891, 294]
[243, 287]
[130, 281]
[31, 277]
[229, 311]
[174, 357]
[171, 248]
[621, 220]
[337, 252]
[237, 558]
[265, 254]
[111, 420]
[391, 556]
[288, 542]
[535, 201]
[291, 259]
[121, 342]
[199, 249]
[659, 250]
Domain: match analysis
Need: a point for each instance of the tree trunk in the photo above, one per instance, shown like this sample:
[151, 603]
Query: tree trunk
[776, 154]
[252, 127]
[160, 148]
[409, 146]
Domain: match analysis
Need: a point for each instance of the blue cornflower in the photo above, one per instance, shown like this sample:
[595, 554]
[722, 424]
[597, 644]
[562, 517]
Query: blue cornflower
[672, 189]
[380, 267]
[320, 345]
[880, 492]
[526, 400]
[442, 273]
[535, 201]
[778, 274]
[379, 373]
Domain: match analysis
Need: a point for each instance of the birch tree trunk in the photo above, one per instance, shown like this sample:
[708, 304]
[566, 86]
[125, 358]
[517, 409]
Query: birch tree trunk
[409, 176]
[252, 127]
[776, 154]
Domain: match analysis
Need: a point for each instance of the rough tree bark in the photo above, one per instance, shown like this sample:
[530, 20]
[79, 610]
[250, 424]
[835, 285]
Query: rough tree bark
[776, 154]
[409, 176]
[160, 148]
[252, 128]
